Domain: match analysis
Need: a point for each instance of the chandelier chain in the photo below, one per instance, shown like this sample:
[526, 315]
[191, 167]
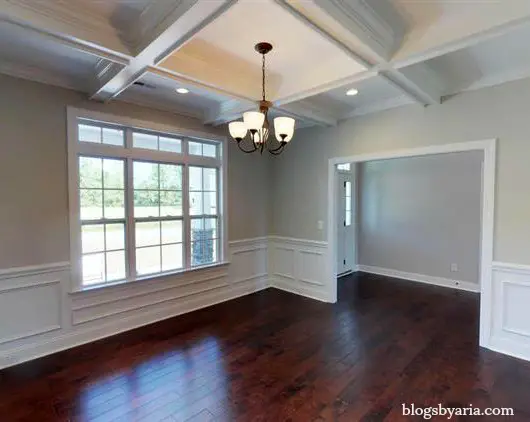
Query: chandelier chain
[263, 75]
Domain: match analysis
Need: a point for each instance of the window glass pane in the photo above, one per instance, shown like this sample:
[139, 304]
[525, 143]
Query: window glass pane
[145, 175]
[91, 204]
[146, 204]
[171, 257]
[114, 204]
[196, 203]
[170, 177]
[202, 252]
[147, 233]
[92, 238]
[145, 140]
[196, 224]
[113, 136]
[170, 203]
[209, 150]
[170, 144]
[344, 167]
[171, 231]
[90, 172]
[115, 265]
[194, 148]
[89, 133]
[93, 269]
[197, 254]
[113, 174]
[148, 260]
[114, 236]
[210, 226]
[195, 178]
[348, 188]
[210, 179]
[210, 203]
[348, 218]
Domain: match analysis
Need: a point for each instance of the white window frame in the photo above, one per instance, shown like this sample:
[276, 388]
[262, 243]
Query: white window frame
[127, 153]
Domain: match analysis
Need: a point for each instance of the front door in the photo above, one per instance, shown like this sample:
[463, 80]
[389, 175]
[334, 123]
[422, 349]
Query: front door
[346, 223]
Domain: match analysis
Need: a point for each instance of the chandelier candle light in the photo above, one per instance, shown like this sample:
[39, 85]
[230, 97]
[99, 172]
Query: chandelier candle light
[257, 124]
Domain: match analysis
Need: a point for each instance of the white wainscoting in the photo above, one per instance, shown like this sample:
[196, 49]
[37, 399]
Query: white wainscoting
[421, 278]
[45, 317]
[299, 266]
[510, 333]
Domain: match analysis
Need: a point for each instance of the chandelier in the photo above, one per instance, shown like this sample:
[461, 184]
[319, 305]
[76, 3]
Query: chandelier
[257, 123]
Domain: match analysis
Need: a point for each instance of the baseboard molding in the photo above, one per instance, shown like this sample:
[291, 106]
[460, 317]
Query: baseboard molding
[297, 290]
[84, 336]
[421, 278]
[509, 347]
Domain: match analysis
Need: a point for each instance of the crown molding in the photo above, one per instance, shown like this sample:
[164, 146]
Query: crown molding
[36, 74]
[377, 24]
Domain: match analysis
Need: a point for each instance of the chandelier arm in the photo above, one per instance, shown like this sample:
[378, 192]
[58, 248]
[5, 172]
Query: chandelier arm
[245, 150]
[279, 150]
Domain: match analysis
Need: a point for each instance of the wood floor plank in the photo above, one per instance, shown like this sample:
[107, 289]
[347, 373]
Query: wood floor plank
[273, 356]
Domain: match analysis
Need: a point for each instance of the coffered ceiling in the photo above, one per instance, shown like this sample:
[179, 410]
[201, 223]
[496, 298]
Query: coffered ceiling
[393, 52]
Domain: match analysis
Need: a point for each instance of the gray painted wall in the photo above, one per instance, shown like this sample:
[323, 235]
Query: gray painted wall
[421, 214]
[33, 172]
[300, 173]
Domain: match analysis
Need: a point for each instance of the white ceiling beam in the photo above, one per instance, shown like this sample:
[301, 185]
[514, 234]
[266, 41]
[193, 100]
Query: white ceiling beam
[377, 25]
[187, 19]
[69, 41]
[304, 111]
[302, 18]
[459, 44]
[421, 91]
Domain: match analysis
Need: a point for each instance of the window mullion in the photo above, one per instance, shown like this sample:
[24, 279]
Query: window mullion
[186, 216]
[129, 212]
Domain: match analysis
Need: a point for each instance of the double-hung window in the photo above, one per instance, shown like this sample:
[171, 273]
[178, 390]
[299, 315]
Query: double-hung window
[143, 202]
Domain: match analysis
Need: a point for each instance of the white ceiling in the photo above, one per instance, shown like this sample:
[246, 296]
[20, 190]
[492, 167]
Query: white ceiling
[394, 52]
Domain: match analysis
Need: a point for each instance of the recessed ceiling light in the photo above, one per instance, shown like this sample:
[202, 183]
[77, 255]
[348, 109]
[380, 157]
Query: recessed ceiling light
[182, 90]
[352, 92]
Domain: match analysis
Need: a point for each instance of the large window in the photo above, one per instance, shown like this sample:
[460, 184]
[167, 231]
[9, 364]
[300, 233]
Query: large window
[145, 202]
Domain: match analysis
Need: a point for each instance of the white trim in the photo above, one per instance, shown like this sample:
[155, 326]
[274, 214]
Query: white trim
[513, 268]
[127, 153]
[487, 230]
[421, 278]
[30, 270]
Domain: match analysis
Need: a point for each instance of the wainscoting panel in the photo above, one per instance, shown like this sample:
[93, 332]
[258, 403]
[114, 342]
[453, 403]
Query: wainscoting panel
[45, 317]
[298, 266]
[511, 309]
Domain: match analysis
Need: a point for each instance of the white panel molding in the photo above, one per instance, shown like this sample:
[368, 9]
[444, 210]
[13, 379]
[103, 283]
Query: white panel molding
[31, 300]
[421, 278]
[32, 270]
[511, 316]
[297, 266]
[82, 317]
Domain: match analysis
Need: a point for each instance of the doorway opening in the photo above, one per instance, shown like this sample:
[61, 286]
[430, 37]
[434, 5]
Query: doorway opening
[338, 213]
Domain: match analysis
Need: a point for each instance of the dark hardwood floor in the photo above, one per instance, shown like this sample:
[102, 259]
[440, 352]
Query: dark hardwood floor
[274, 356]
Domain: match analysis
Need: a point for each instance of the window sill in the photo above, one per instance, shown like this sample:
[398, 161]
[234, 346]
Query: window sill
[98, 287]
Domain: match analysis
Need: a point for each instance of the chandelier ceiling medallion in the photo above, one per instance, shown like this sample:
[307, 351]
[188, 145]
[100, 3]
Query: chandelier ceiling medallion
[257, 124]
